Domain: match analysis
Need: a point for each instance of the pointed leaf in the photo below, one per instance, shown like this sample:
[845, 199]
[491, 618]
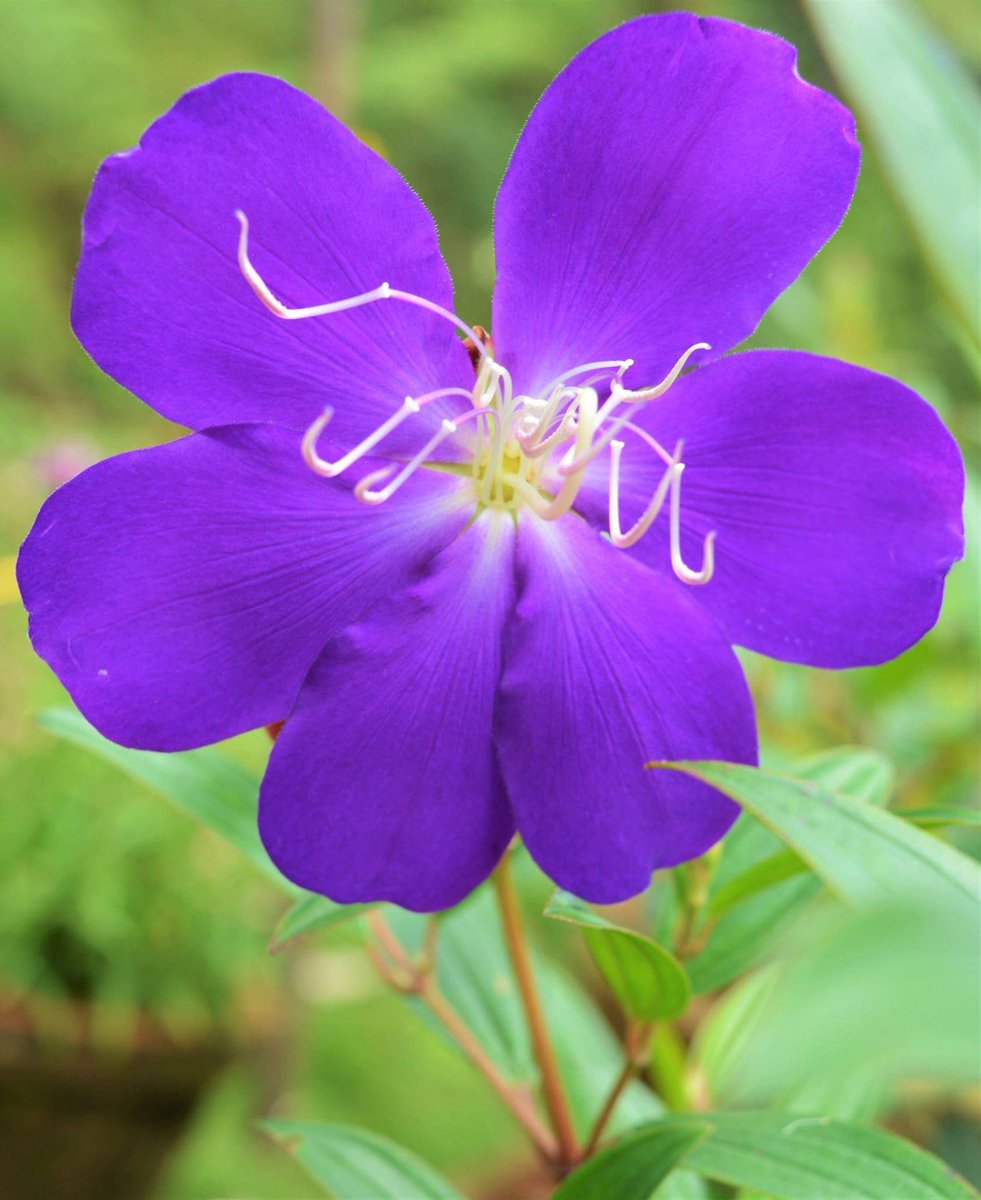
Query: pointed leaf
[918, 106]
[635, 1167]
[352, 1164]
[816, 1158]
[863, 854]
[648, 980]
[746, 932]
[205, 783]
[310, 913]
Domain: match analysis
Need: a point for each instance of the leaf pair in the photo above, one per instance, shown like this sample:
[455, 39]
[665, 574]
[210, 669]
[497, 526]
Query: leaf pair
[787, 1157]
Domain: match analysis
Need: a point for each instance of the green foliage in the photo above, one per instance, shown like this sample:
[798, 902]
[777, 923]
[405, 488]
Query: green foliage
[863, 854]
[885, 995]
[920, 109]
[784, 1156]
[635, 1168]
[352, 1163]
[648, 980]
[310, 913]
[128, 909]
[204, 783]
[751, 907]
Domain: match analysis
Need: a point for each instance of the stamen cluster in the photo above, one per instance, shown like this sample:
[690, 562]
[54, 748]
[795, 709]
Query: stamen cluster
[526, 451]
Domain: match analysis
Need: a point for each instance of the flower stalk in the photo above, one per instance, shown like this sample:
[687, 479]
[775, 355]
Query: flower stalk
[553, 1090]
[637, 1041]
[395, 966]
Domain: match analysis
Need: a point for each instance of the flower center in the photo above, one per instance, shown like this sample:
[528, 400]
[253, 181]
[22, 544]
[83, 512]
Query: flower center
[526, 452]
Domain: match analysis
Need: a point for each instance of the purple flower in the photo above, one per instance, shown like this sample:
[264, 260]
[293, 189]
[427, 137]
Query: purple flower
[464, 653]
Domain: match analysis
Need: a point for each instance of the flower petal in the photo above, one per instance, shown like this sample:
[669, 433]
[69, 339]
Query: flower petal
[836, 494]
[181, 593]
[607, 667]
[160, 302]
[383, 784]
[671, 182]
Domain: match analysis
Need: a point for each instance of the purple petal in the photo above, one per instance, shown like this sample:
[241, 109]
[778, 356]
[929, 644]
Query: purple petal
[383, 784]
[160, 302]
[671, 182]
[181, 593]
[607, 667]
[836, 494]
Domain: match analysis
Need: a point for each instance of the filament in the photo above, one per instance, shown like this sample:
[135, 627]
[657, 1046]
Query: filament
[531, 450]
[383, 292]
[685, 573]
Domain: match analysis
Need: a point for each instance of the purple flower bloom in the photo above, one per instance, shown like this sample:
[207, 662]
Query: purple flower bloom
[464, 653]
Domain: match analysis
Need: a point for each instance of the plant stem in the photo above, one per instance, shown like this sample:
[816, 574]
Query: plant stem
[555, 1098]
[690, 938]
[635, 1044]
[395, 966]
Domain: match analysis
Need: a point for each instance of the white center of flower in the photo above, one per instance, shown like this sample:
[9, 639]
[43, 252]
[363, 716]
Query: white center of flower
[525, 451]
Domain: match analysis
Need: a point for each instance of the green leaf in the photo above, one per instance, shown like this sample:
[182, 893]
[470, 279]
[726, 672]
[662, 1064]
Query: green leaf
[719, 1045]
[862, 854]
[474, 973]
[648, 980]
[635, 1167]
[310, 913]
[815, 1158]
[205, 783]
[746, 932]
[780, 1155]
[352, 1164]
[938, 816]
[854, 771]
[918, 107]
[785, 864]
[913, 964]
[591, 1059]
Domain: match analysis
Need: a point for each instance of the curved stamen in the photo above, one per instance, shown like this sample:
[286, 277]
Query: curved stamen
[383, 292]
[636, 531]
[565, 428]
[364, 489]
[551, 510]
[410, 406]
[654, 444]
[622, 364]
[685, 573]
[642, 395]
[619, 396]
[261, 288]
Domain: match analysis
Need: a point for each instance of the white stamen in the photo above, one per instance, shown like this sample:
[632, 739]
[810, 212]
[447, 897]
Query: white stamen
[619, 396]
[622, 365]
[642, 395]
[409, 408]
[512, 463]
[364, 489]
[636, 531]
[684, 573]
[382, 292]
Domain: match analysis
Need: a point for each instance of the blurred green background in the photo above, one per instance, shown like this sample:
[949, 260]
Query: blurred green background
[125, 927]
